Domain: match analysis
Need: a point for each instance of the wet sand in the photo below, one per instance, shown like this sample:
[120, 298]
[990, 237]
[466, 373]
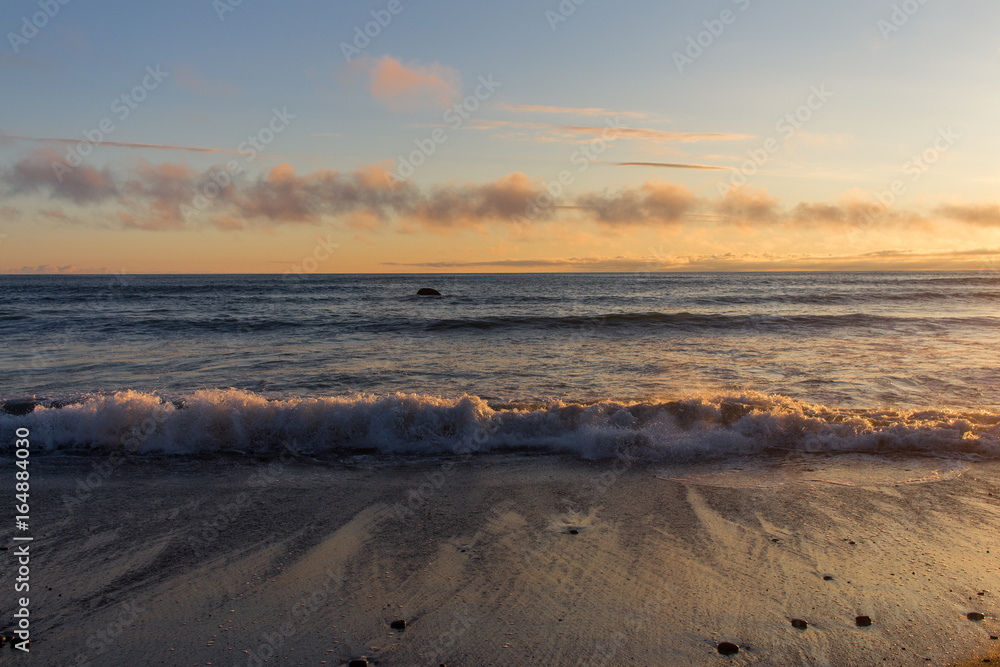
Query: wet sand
[512, 561]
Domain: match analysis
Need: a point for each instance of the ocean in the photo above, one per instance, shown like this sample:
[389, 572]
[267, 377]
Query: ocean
[655, 366]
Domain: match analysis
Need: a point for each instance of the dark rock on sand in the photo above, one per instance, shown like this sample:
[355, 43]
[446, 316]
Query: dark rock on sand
[827, 577]
[573, 531]
[427, 291]
[862, 621]
[975, 616]
[728, 648]
[799, 623]
[359, 662]
[398, 624]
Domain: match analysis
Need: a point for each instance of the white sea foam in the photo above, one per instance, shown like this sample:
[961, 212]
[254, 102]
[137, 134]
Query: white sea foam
[216, 421]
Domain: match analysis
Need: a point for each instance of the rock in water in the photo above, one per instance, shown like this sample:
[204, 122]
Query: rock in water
[862, 621]
[398, 625]
[728, 648]
[427, 291]
[20, 407]
[975, 616]
[730, 412]
[799, 623]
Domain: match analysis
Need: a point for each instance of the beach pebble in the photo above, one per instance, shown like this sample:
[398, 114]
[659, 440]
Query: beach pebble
[399, 624]
[799, 623]
[975, 616]
[728, 648]
[862, 621]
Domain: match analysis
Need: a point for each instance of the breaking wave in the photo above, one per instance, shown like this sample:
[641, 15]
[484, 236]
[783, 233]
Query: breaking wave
[697, 428]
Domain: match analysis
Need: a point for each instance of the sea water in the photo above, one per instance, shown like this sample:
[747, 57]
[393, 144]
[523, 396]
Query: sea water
[650, 365]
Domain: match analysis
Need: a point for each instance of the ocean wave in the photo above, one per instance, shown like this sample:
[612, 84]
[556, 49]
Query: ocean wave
[240, 422]
[690, 321]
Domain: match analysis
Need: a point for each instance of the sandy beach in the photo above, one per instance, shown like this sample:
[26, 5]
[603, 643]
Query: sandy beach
[513, 561]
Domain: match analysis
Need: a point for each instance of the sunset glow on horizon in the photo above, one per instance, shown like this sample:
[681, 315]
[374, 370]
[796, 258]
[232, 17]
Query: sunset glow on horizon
[394, 137]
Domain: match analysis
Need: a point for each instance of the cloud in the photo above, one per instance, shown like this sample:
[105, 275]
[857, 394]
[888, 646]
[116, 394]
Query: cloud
[191, 79]
[56, 213]
[284, 196]
[465, 205]
[83, 185]
[748, 205]
[655, 202]
[531, 131]
[157, 191]
[172, 196]
[410, 86]
[881, 259]
[670, 165]
[579, 111]
[118, 144]
[46, 268]
[983, 215]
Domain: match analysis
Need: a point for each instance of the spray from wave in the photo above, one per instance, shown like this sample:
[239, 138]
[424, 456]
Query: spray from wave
[698, 428]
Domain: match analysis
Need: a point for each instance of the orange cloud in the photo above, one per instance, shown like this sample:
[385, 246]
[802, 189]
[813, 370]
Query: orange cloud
[411, 86]
[746, 204]
[470, 205]
[162, 196]
[671, 165]
[985, 215]
[580, 111]
[653, 202]
[529, 131]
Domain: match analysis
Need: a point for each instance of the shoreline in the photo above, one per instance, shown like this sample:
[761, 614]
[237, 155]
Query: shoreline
[514, 560]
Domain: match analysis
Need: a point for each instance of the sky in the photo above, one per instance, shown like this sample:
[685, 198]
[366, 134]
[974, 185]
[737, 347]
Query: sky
[399, 136]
